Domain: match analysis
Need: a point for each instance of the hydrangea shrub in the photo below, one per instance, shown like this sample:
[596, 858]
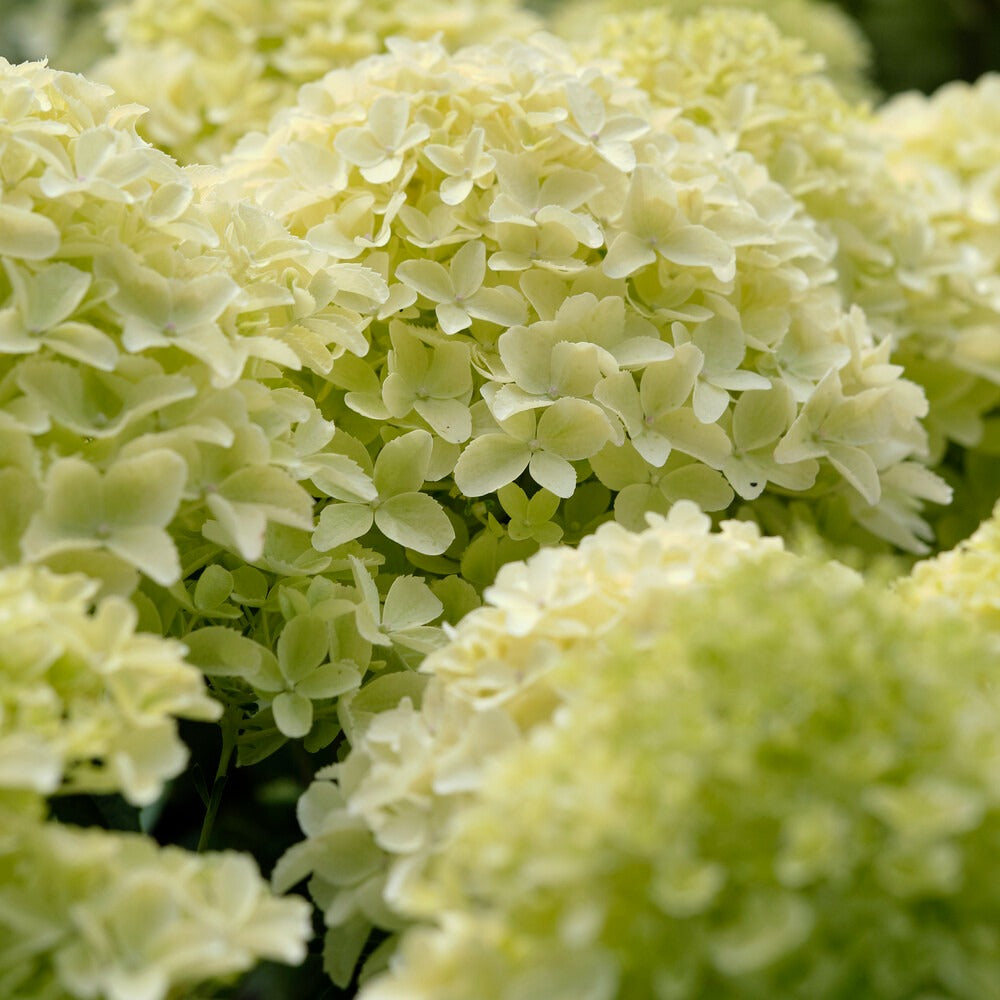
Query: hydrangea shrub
[296, 415]
[782, 782]
[88, 913]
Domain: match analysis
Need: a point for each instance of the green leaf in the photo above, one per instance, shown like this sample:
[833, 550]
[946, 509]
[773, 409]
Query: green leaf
[457, 596]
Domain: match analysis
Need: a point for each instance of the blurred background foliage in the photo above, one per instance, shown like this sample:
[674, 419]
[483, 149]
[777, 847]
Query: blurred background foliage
[917, 44]
[921, 44]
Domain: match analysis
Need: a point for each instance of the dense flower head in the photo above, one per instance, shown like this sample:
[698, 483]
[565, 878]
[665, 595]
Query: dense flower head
[823, 28]
[87, 913]
[149, 440]
[785, 783]
[926, 284]
[581, 288]
[420, 747]
[223, 69]
[86, 703]
[948, 144]
[965, 579]
[944, 148]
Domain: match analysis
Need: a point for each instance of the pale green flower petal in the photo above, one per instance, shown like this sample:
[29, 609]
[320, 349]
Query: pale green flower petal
[416, 521]
[303, 645]
[26, 234]
[340, 523]
[489, 462]
[293, 714]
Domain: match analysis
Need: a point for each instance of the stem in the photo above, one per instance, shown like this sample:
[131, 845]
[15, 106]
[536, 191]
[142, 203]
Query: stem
[229, 725]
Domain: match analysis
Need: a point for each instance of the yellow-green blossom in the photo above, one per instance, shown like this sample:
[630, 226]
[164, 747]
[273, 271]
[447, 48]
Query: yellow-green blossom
[966, 579]
[822, 27]
[87, 913]
[153, 436]
[575, 277]
[945, 149]
[782, 783]
[223, 69]
[87, 704]
[420, 748]
[925, 282]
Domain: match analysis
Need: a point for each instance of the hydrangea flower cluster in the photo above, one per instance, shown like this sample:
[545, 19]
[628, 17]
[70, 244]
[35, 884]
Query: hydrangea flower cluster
[421, 748]
[923, 282]
[223, 69]
[822, 28]
[87, 913]
[129, 431]
[965, 580]
[86, 704]
[147, 439]
[578, 296]
[780, 783]
[297, 413]
[945, 149]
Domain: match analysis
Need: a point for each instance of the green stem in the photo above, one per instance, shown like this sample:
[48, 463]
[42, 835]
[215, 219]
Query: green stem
[229, 723]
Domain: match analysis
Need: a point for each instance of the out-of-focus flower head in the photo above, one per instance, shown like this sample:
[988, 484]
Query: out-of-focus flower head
[223, 69]
[965, 579]
[824, 28]
[782, 783]
[87, 913]
[86, 703]
[421, 747]
[946, 149]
